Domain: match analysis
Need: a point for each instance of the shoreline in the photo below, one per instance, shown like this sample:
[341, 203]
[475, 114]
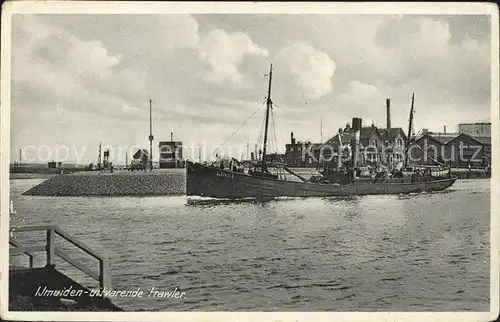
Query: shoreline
[21, 176]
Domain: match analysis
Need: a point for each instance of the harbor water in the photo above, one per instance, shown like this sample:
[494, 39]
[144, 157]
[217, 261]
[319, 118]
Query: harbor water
[418, 252]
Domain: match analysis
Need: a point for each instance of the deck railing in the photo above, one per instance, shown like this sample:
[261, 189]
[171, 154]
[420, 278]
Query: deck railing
[51, 251]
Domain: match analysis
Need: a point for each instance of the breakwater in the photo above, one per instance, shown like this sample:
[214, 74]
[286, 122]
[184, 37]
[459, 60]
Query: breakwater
[156, 183]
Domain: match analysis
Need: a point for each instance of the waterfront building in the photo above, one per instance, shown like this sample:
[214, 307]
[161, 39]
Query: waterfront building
[336, 147]
[275, 158]
[475, 129]
[467, 150]
[54, 165]
[170, 154]
[300, 154]
[370, 145]
[141, 155]
[394, 144]
[452, 149]
[377, 146]
[427, 148]
[481, 132]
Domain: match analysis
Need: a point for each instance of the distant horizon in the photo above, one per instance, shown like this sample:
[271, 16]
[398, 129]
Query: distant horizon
[244, 151]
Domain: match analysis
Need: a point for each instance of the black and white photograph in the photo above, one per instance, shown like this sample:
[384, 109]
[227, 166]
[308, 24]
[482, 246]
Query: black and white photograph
[250, 161]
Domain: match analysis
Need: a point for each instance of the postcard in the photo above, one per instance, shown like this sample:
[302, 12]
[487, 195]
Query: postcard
[249, 161]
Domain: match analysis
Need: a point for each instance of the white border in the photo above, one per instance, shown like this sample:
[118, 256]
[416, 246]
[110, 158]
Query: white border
[304, 7]
[61, 7]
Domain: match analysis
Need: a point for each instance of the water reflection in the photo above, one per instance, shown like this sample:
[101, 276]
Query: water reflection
[216, 202]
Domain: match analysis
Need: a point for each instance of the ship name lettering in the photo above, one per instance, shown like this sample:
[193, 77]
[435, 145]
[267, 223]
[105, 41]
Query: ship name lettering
[225, 175]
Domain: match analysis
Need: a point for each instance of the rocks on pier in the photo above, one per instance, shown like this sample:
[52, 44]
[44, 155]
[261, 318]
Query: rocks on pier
[156, 183]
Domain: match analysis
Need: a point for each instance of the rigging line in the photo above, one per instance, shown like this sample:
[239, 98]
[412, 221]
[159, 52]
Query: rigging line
[261, 132]
[274, 132]
[260, 139]
[242, 123]
[430, 156]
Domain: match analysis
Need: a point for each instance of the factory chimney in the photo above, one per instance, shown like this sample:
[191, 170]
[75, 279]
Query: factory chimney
[388, 111]
[356, 130]
[444, 130]
[172, 136]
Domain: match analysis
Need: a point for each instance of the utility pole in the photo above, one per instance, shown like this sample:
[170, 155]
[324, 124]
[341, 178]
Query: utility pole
[99, 156]
[150, 136]
[174, 157]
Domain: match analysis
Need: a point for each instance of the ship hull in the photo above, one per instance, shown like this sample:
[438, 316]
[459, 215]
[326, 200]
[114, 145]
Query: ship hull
[219, 183]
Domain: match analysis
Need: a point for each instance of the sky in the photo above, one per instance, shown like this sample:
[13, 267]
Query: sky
[78, 80]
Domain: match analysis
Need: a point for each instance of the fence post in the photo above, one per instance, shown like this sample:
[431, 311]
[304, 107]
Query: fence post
[50, 247]
[104, 276]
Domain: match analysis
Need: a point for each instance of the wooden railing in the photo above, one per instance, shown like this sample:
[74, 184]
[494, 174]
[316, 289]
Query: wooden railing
[31, 256]
[51, 251]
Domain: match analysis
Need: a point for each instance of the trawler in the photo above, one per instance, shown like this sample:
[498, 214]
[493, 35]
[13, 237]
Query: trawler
[259, 182]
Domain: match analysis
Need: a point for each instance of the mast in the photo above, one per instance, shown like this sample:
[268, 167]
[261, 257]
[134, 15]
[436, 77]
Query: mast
[150, 136]
[410, 126]
[341, 151]
[269, 105]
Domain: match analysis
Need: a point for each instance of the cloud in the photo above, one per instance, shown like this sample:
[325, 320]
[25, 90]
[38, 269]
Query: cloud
[424, 57]
[224, 52]
[79, 91]
[310, 69]
[84, 76]
[359, 92]
[82, 80]
[434, 32]
[399, 32]
[91, 58]
[470, 44]
[360, 99]
[70, 72]
[138, 36]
